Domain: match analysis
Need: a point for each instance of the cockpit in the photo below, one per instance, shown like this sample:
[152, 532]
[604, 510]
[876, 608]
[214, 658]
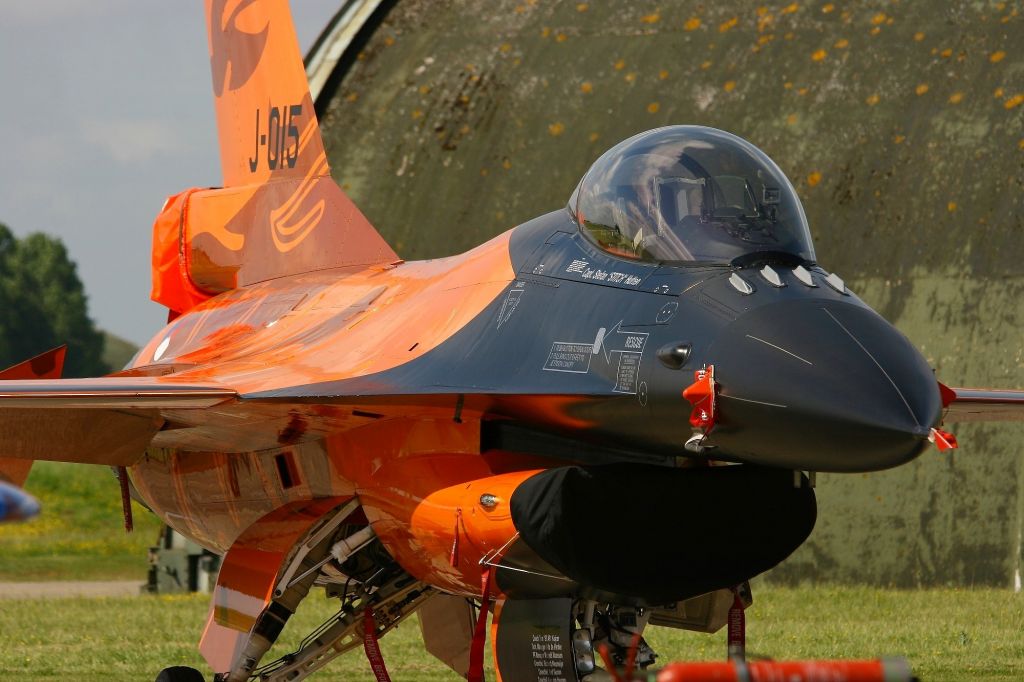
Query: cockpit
[691, 194]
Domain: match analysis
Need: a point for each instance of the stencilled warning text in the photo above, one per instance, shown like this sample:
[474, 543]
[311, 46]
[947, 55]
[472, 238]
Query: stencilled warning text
[569, 357]
[583, 268]
[548, 658]
[626, 373]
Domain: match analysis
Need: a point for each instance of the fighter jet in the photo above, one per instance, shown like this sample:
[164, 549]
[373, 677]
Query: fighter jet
[16, 504]
[605, 417]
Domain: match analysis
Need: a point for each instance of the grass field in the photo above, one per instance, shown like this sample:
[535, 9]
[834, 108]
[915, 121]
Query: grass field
[79, 535]
[948, 635]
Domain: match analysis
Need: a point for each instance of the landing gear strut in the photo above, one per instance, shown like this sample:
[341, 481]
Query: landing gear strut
[615, 633]
[347, 560]
[340, 554]
[564, 639]
[389, 603]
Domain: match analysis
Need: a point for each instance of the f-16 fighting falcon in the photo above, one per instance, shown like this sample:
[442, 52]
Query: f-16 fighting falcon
[607, 416]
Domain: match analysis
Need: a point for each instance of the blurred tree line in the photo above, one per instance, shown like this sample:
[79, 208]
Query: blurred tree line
[43, 305]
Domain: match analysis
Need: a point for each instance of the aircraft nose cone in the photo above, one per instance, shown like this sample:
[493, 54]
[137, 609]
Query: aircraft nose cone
[821, 385]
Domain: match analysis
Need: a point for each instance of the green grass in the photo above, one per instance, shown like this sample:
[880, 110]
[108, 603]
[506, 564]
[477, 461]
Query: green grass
[79, 535]
[948, 635]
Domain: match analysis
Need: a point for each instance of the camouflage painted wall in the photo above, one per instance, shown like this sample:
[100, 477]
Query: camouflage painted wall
[900, 123]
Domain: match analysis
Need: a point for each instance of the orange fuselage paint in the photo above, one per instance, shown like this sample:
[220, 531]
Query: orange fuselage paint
[330, 325]
[420, 483]
[277, 280]
[412, 468]
[419, 480]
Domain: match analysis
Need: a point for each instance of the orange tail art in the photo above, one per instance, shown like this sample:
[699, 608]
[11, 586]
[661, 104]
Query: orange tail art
[279, 213]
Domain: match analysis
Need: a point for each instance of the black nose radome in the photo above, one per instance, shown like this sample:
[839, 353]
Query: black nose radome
[821, 385]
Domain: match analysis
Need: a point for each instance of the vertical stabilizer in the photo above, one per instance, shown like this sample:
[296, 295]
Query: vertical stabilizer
[279, 213]
[265, 119]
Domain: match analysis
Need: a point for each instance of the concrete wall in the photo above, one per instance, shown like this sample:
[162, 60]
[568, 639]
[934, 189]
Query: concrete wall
[900, 123]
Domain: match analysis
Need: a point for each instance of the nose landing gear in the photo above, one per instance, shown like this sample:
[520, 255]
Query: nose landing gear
[180, 673]
[562, 639]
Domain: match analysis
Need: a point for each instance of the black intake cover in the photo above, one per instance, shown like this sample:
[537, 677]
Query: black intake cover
[662, 535]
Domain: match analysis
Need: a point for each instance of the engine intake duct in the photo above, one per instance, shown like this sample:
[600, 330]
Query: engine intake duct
[663, 535]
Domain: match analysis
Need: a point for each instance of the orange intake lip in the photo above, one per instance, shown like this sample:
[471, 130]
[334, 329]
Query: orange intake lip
[470, 524]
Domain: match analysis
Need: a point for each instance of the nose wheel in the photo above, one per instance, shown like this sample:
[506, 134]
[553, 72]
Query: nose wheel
[180, 673]
[545, 639]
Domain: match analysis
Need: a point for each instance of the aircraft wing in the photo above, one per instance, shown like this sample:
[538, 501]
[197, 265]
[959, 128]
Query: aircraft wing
[985, 404]
[108, 420]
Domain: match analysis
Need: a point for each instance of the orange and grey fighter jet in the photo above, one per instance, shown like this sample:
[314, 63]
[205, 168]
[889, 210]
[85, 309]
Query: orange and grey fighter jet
[593, 415]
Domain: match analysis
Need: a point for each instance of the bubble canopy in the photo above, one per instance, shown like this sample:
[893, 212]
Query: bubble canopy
[691, 194]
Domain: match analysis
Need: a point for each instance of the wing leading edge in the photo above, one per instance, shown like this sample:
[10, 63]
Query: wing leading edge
[985, 404]
[93, 421]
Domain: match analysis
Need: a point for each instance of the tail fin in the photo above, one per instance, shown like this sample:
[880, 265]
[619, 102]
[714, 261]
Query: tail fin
[268, 129]
[280, 212]
[49, 365]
